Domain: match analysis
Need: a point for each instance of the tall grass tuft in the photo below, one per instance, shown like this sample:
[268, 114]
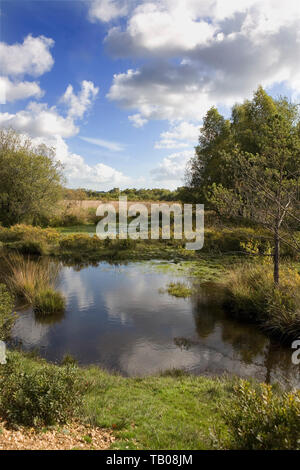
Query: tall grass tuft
[34, 280]
[252, 295]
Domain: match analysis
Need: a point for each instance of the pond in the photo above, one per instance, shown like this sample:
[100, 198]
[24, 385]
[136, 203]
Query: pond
[117, 317]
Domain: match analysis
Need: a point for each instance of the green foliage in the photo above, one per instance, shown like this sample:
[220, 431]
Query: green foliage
[45, 396]
[7, 317]
[48, 301]
[80, 241]
[262, 419]
[29, 247]
[28, 233]
[30, 179]
[178, 289]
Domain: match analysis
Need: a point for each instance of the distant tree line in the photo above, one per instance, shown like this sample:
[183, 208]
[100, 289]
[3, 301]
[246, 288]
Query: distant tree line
[156, 194]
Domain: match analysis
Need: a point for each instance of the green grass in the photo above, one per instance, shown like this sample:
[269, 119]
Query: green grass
[48, 301]
[174, 411]
[85, 228]
[178, 289]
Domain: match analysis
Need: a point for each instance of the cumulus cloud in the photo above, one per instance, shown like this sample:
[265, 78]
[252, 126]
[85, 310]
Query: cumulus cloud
[78, 104]
[15, 90]
[107, 10]
[137, 120]
[33, 57]
[171, 166]
[39, 120]
[198, 54]
[182, 135]
[81, 174]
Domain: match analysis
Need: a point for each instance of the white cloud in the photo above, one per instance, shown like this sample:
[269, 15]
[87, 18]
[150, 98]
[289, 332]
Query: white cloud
[79, 103]
[15, 90]
[137, 120]
[107, 10]
[81, 174]
[113, 146]
[170, 171]
[32, 57]
[198, 54]
[181, 135]
[39, 120]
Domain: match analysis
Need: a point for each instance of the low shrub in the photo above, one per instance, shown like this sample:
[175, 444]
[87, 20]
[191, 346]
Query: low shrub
[80, 242]
[261, 418]
[22, 232]
[29, 247]
[48, 301]
[7, 317]
[44, 396]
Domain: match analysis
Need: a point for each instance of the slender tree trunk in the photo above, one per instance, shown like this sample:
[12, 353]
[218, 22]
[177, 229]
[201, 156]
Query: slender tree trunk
[276, 256]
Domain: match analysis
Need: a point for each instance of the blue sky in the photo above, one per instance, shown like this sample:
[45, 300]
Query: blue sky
[141, 76]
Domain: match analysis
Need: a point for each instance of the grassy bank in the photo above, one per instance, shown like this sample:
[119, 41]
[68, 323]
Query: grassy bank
[162, 412]
[167, 411]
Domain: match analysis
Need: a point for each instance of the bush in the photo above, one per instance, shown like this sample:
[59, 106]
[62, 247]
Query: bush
[48, 301]
[80, 242]
[22, 232]
[262, 419]
[28, 247]
[44, 396]
[7, 317]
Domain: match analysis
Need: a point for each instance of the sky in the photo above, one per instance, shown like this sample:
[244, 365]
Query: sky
[120, 87]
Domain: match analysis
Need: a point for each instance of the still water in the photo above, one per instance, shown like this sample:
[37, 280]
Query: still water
[117, 317]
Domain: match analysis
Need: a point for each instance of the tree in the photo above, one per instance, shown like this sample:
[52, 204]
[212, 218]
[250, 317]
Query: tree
[219, 136]
[30, 179]
[206, 165]
[267, 182]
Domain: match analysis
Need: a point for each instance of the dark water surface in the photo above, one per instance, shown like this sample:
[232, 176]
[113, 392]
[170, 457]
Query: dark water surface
[117, 317]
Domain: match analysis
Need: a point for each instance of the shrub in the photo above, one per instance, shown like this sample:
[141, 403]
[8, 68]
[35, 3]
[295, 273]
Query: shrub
[80, 242]
[48, 301]
[45, 396]
[262, 419]
[7, 317]
[22, 232]
[28, 247]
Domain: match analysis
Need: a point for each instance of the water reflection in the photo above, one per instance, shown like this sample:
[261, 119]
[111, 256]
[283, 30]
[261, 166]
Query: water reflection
[116, 317]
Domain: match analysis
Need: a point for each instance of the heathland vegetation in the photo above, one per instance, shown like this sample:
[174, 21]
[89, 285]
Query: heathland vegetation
[246, 170]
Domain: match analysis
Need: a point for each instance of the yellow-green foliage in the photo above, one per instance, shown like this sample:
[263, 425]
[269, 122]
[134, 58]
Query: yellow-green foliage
[80, 241]
[262, 419]
[48, 301]
[22, 232]
[7, 317]
[252, 295]
[178, 289]
[234, 239]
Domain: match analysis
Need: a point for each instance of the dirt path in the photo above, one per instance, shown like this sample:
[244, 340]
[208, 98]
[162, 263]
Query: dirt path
[73, 436]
